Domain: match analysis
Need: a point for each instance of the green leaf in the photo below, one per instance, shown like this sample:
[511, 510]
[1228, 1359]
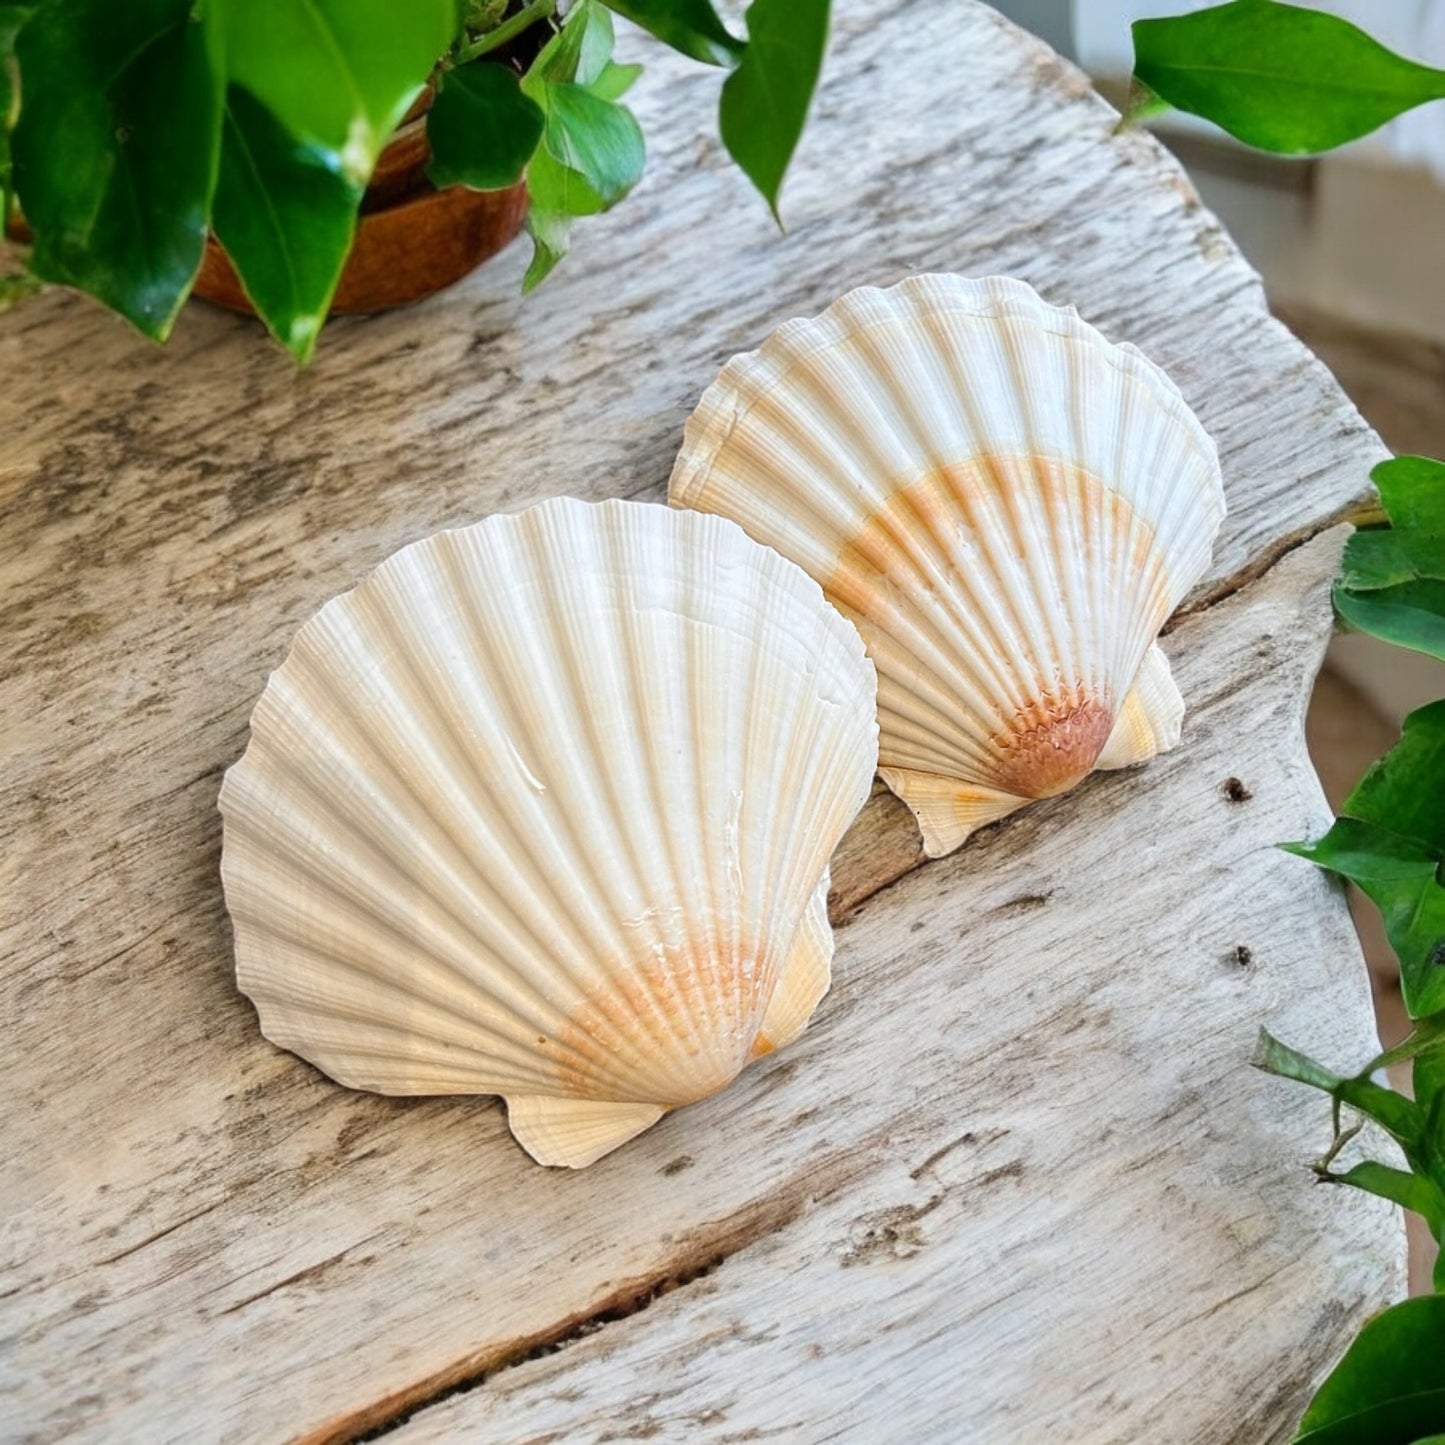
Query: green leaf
[1399, 1186]
[592, 150]
[1280, 77]
[1431, 1103]
[339, 74]
[558, 195]
[12, 17]
[765, 100]
[1392, 583]
[577, 54]
[482, 129]
[558, 190]
[1397, 1115]
[1427, 1037]
[690, 26]
[1416, 1128]
[615, 81]
[1375, 558]
[1412, 492]
[1400, 876]
[600, 141]
[1410, 615]
[1427, 1077]
[549, 233]
[1278, 1058]
[116, 150]
[1390, 1387]
[1390, 840]
[286, 219]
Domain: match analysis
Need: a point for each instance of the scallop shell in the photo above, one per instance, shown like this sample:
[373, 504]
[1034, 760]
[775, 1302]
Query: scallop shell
[544, 809]
[1005, 504]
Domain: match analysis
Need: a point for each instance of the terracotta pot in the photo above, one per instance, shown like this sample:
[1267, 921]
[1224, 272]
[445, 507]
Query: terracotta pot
[407, 250]
[411, 239]
[403, 252]
[401, 168]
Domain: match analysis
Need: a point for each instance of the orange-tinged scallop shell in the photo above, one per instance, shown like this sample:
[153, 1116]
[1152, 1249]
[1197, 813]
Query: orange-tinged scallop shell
[544, 809]
[1006, 505]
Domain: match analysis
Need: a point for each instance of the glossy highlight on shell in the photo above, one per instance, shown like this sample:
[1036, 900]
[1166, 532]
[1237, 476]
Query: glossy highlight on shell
[544, 808]
[1005, 504]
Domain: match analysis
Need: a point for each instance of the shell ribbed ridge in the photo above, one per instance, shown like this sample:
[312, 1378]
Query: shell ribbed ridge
[1006, 505]
[541, 807]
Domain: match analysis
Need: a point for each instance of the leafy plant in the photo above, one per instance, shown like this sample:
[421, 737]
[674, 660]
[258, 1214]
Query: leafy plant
[1292, 80]
[1393, 584]
[1390, 840]
[1281, 77]
[136, 128]
[1375, 1395]
[1417, 1125]
[592, 151]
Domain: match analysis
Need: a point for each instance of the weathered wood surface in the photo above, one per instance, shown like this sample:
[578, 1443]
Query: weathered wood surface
[1060, 1213]
[1018, 1159]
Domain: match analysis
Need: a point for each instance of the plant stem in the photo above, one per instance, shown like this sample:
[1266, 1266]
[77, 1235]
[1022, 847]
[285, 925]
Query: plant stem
[1342, 1137]
[1367, 514]
[507, 30]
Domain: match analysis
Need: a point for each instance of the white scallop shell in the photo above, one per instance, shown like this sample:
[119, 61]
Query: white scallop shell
[544, 809]
[1005, 504]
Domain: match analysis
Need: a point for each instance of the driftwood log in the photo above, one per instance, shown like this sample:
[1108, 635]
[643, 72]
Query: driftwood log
[1016, 1183]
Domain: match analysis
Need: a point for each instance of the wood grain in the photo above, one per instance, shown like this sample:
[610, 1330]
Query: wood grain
[1060, 1208]
[206, 1239]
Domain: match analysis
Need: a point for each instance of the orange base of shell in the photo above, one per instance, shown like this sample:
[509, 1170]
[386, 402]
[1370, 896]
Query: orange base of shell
[1052, 744]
